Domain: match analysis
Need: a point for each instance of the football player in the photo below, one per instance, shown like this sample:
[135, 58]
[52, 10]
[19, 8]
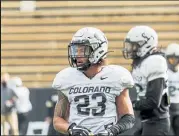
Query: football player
[172, 53]
[93, 98]
[23, 104]
[149, 71]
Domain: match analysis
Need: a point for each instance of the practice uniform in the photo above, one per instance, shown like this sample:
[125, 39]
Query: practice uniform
[92, 101]
[150, 69]
[173, 83]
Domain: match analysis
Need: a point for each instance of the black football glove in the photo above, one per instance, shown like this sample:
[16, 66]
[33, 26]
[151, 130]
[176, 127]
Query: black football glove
[107, 131]
[75, 130]
[111, 130]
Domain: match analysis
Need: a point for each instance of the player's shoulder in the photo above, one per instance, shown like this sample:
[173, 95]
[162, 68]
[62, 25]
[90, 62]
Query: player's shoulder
[155, 66]
[155, 60]
[66, 72]
[170, 72]
[155, 63]
[63, 77]
[121, 74]
[117, 69]
[24, 88]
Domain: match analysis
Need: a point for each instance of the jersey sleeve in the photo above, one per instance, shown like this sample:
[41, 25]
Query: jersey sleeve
[156, 68]
[126, 80]
[123, 80]
[57, 82]
[61, 81]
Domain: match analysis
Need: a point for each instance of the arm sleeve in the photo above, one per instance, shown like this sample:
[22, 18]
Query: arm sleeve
[153, 95]
[125, 122]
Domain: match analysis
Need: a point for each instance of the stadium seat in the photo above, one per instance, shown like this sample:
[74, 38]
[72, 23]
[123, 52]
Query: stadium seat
[34, 44]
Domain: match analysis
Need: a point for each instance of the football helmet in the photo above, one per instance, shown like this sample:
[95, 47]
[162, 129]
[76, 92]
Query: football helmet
[139, 41]
[172, 54]
[93, 45]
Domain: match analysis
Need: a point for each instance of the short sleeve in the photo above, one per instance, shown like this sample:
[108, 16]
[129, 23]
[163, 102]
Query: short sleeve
[156, 68]
[61, 81]
[122, 79]
[126, 80]
[57, 82]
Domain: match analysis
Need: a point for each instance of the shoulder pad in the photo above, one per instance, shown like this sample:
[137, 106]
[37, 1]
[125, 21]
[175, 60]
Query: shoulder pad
[156, 67]
[61, 80]
[123, 76]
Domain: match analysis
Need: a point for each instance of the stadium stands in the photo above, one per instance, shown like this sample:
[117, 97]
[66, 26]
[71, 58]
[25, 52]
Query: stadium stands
[34, 44]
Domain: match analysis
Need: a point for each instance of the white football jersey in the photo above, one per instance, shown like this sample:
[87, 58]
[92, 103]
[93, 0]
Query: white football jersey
[153, 67]
[92, 101]
[23, 103]
[173, 86]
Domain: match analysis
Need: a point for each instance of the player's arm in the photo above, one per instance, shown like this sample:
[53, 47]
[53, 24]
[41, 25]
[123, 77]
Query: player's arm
[153, 95]
[61, 114]
[11, 102]
[125, 110]
[156, 74]
[124, 105]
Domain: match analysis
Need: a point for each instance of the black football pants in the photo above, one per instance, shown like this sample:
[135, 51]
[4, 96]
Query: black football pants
[154, 127]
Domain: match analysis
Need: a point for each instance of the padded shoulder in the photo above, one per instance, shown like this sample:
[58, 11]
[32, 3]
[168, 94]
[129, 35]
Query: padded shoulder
[123, 76]
[156, 67]
[62, 79]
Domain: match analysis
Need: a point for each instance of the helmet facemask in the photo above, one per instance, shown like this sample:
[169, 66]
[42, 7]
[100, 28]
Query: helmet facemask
[79, 54]
[130, 49]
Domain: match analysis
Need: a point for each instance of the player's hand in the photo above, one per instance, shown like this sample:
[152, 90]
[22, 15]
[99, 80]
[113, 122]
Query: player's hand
[75, 130]
[110, 130]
